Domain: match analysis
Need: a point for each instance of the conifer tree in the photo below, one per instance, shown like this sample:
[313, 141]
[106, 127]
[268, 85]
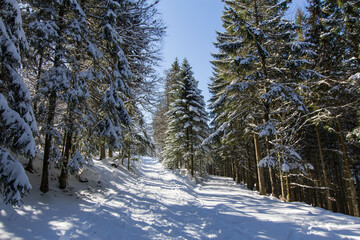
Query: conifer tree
[187, 124]
[260, 61]
[128, 33]
[63, 31]
[159, 120]
[333, 96]
[17, 121]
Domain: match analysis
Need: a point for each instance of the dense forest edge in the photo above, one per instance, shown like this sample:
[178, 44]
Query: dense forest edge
[284, 107]
[77, 76]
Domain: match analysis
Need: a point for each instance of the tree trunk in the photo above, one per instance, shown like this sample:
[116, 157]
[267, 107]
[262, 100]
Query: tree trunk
[341, 200]
[129, 157]
[288, 194]
[233, 169]
[122, 157]
[39, 71]
[102, 149]
[64, 168]
[347, 171]
[192, 160]
[237, 167]
[324, 172]
[260, 170]
[30, 166]
[110, 152]
[273, 181]
[282, 185]
[249, 175]
[44, 185]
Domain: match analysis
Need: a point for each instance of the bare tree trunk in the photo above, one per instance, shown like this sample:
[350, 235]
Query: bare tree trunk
[347, 171]
[288, 194]
[102, 149]
[281, 176]
[260, 170]
[64, 168]
[233, 168]
[324, 172]
[192, 160]
[129, 158]
[341, 201]
[44, 186]
[273, 181]
[282, 185]
[110, 152]
[122, 157]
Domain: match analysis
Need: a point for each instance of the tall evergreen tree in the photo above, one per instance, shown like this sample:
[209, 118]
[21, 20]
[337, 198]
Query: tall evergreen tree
[159, 121]
[333, 97]
[17, 121]
[187, 124]
[260, 62]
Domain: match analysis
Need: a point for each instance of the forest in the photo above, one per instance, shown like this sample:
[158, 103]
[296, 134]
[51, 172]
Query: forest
[284, 107]
[77, 78]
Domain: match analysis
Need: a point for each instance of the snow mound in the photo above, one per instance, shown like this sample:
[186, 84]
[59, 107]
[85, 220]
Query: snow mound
[89, 175]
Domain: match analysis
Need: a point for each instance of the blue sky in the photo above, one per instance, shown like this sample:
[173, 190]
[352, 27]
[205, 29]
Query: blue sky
[191, 31]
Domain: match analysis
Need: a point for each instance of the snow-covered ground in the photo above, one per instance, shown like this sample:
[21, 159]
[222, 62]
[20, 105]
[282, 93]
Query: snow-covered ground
[154, 203]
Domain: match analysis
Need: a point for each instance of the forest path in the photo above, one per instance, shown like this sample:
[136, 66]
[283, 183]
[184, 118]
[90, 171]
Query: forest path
[155, 203]
[220, 209]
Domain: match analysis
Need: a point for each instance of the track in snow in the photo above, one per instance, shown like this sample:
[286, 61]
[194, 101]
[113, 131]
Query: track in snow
[155, 203]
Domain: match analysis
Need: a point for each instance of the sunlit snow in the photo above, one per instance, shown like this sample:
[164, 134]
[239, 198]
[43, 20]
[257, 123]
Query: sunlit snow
[154, 203]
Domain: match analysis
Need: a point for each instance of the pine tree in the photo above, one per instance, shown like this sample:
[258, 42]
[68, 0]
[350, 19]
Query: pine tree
[159, 121]
[128, 33]
[17, 122]
[333, 96]
[61, 26]
[261, 62]
[187, 124]
[112, 117]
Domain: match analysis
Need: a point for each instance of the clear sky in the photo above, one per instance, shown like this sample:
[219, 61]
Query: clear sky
[191, 31]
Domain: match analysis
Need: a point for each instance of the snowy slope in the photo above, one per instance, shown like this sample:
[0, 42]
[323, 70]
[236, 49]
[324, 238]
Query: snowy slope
[154, 203]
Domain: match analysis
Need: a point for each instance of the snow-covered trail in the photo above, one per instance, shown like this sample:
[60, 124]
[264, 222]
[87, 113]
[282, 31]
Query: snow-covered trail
[155, 203]
[243, 214]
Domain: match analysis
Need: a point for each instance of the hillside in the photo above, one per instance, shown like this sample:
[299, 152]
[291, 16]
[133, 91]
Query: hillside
[154, 203]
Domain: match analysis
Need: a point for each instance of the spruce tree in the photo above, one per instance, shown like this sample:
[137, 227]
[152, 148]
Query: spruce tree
[17, 121]
[159, 121]
[60, 81]
[333, 95]
[187, 124]
[261, 61]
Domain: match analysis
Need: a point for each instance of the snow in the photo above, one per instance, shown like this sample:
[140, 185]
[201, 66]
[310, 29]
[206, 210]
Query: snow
[267, 129]
[10, 50]
[17, 132]
[151, 202]
[14, 182]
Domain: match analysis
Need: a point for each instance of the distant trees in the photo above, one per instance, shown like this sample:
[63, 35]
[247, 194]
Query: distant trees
[275, 83]
[186, 121]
